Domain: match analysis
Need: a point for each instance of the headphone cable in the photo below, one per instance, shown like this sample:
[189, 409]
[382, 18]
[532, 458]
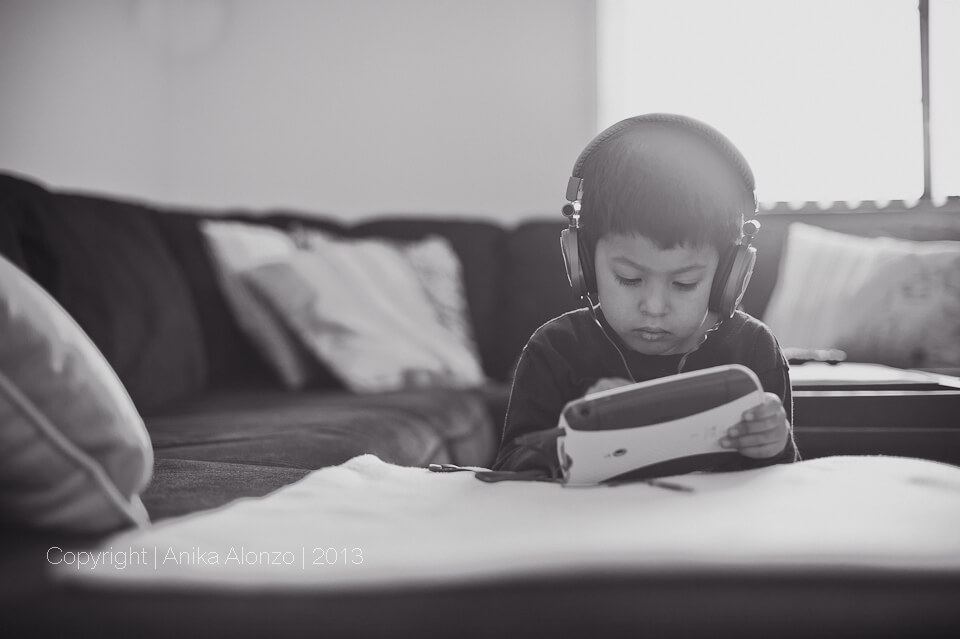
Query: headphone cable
[683, 360]
[593, 313]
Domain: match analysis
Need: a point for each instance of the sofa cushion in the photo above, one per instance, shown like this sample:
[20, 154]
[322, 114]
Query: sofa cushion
[312, 429]
[74, 454]
[108, 265]
[183, 486]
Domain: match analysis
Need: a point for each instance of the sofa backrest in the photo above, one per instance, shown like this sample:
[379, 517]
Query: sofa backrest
[126, 269]
[106, 263]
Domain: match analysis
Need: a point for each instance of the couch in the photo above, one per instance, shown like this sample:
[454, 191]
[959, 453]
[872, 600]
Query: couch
[138, 279]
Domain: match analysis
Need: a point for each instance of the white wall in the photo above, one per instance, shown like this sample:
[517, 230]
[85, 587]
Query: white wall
[348, 107]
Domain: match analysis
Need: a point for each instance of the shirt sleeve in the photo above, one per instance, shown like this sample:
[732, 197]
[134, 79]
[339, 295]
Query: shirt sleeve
[773, 371]
[537, 398]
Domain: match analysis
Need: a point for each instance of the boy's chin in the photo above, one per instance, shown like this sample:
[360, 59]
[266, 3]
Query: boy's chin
[663, 347]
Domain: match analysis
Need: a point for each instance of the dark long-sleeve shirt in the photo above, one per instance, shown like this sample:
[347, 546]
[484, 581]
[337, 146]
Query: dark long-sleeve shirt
[567, 355]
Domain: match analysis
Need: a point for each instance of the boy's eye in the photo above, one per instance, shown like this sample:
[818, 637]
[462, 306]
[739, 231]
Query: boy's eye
[628, 281]
[686, 286]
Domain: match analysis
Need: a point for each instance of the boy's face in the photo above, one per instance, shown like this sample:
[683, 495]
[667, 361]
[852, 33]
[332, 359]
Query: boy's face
[655, 299]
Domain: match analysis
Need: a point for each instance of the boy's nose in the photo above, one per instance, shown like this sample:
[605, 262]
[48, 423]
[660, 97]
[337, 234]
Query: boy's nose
[654, 302]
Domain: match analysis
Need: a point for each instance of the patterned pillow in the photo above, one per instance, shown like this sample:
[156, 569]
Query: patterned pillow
[440, 273]
[361, 308]
[236, 247]
[239, 247]
[883, 300]
[74, 453]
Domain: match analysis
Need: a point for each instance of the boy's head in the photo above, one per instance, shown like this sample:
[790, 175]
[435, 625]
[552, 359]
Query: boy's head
[662, 202]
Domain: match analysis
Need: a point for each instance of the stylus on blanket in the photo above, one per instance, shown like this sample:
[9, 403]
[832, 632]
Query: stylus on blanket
[449, 468]
[669, 485]
[658, 483]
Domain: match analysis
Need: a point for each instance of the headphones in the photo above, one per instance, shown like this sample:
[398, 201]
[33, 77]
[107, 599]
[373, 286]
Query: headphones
[736, 262]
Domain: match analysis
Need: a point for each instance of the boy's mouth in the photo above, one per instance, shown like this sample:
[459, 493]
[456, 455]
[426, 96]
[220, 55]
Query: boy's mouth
[651, 334]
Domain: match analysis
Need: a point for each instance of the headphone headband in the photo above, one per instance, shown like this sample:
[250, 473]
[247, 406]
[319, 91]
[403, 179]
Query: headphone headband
[719, 142]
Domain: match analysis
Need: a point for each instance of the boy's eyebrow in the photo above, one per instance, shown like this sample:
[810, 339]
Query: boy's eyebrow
[685, 269]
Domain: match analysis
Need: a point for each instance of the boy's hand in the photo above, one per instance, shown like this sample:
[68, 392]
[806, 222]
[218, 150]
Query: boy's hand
[763, 432]
[606, 383]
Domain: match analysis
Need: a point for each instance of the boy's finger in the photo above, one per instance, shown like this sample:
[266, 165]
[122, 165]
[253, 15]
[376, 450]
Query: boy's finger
[762, 411]
[759, 439]
[745, 428]
[762, 452]
[745, 441]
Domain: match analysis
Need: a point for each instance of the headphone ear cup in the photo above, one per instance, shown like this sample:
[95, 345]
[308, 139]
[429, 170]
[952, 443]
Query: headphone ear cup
[570, 247]
[588, 274]
[731, 280]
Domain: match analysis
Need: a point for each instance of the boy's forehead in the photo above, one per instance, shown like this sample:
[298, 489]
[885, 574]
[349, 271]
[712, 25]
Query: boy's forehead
[637, 247]
[638, 243]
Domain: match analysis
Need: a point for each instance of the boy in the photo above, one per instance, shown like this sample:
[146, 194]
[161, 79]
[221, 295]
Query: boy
[661, 202]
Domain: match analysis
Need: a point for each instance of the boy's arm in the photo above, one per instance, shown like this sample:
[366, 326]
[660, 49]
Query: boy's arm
[536, 400]
[777, 382]
[767, 361]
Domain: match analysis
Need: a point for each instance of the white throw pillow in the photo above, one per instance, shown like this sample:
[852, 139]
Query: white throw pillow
[74, 453]
[235, 248]
[882, 300]
[440, 273]
[359, 305]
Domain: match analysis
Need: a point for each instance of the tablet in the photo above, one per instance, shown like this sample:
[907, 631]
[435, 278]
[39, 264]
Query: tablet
[621, 433]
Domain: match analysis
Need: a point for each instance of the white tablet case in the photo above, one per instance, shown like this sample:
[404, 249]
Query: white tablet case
[617, 431]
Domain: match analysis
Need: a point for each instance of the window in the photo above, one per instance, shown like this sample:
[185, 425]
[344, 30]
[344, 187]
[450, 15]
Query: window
[824, 97]
[945, 97]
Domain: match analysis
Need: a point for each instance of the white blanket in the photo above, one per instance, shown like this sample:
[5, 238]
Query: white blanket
[367, 523]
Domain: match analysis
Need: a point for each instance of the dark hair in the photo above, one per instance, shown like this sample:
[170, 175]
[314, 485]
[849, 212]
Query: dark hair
[666, 183]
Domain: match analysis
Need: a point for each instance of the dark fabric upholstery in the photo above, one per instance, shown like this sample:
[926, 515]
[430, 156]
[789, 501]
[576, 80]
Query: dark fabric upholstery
[23, 204]
[181, 486]
[480, 247]
[11, 214]
[230, 355]
[310, 430]
[106, 263]
[537, 289]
